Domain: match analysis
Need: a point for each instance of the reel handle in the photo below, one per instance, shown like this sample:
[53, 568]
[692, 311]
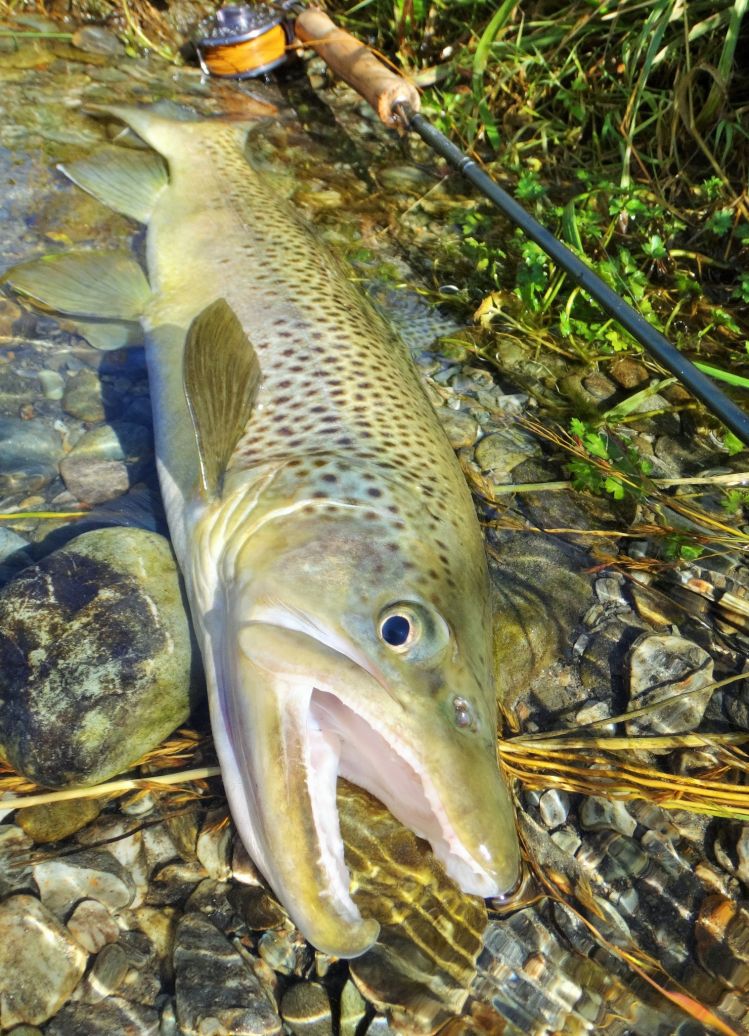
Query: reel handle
[356, 65]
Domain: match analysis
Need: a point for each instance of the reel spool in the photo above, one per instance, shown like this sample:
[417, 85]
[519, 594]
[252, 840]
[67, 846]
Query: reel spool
[242, 40]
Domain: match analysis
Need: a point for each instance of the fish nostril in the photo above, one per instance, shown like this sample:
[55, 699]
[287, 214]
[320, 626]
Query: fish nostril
[464, 714]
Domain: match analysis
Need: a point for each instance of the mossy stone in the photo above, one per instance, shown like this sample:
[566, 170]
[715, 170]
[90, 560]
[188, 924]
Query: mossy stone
[97, 660]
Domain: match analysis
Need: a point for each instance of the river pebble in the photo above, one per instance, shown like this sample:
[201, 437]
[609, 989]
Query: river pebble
[352, 1009]
[211, 898]
[52, 384]
[92, 926]
[305, 1008]
[76, 655]
[15, 860]
[124, 840]
[460, 428]
[90, 874]
[56, 820]
[111, 1017]
[107, 461]
[13, 554]
[29, 452]
[379, 1026]
[84, 397]
[95, 39]
[499, 452]
[742, 853]
[214, 845]
[216, 991]
[664, 667]
[259, 908]
[628, 372]
[40, 964]
[599, 814]
[174, 882]
[554, 806]
[158, 846]
[106, 975]
[285, 951]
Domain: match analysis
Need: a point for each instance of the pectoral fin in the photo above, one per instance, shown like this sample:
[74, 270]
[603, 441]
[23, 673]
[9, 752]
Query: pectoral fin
[221, 377]
[109, 285]
[123, 179]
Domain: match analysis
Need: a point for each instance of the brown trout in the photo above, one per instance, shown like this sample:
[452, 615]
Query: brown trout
[332, 556]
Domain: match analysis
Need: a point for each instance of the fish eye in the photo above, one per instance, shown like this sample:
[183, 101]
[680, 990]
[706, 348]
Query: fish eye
[413, 629]
[395, 630]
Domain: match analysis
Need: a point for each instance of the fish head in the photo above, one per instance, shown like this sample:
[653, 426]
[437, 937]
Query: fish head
[345, 657]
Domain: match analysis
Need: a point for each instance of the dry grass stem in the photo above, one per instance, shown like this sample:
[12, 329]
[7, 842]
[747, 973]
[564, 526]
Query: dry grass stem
[157, 781]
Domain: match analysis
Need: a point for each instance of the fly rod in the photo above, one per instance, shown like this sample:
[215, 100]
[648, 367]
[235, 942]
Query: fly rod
[396, 101]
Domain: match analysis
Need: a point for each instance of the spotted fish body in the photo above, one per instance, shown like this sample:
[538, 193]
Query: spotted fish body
[332, 556]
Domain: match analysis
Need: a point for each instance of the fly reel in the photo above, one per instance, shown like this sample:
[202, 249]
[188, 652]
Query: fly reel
[243, 40]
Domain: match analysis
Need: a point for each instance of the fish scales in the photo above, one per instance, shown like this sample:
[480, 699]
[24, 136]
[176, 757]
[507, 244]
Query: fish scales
[336, 379]
[341, 401]
[332, 557]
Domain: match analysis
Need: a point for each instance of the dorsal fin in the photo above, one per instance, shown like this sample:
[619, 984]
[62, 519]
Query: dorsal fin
[221, 376]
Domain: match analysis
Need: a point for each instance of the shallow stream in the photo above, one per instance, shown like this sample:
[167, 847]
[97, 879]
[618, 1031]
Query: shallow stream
[140, 912]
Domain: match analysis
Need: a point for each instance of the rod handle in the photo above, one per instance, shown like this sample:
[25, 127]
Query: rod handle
[356, 65]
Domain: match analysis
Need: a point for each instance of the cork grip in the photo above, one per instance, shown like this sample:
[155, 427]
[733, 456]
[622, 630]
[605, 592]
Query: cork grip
[356, 65]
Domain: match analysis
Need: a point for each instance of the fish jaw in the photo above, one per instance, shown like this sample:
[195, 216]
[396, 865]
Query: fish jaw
[280, 778]
[453, 797]
[286, 731]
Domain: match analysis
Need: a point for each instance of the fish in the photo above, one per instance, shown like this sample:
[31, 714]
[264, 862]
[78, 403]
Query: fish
[331, 553]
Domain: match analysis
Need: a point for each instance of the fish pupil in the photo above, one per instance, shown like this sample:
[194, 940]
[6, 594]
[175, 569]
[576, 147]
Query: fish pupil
[395, 630]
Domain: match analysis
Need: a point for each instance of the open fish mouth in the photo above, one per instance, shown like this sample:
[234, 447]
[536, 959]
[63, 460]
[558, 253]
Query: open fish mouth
[391, 772]
[288, 732]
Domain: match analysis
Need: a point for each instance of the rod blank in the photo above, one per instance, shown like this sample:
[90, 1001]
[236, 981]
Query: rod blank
[396, 101]
[652, 340]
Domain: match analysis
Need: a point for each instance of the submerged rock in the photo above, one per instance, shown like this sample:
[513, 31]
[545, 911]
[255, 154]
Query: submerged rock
[95, 658]
[107, 461]
[675, 672]
[91, 874]
[424, 961]
[92, 926]
[40, 964]
[13, 556]
[84, 397]
[539, 596]
[216, 990]
[57, 820]
[15, 863]
[352, 1008]
[113, 1015]
[305, 1008]
[95, 39]
[29, 452]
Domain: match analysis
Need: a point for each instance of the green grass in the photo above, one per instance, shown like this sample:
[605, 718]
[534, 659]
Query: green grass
[621, 125]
